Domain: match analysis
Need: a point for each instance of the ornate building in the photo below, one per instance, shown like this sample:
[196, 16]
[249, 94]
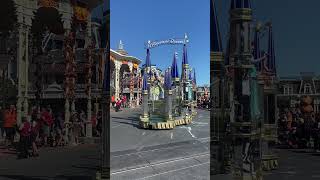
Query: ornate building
[125, 75]
[53, 37]
[292, 89]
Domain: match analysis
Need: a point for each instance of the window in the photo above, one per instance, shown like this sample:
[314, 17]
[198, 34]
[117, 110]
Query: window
[307, 89]
[285, 89]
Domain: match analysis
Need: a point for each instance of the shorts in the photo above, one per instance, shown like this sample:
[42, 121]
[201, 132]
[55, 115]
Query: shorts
[10, 132]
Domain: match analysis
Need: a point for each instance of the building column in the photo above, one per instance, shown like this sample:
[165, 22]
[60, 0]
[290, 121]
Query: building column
[26, 104]
[168, 105]
[67, 119]
[89, 113]
[117, 79]
[21, 69]
[131, 84]
[145, 104]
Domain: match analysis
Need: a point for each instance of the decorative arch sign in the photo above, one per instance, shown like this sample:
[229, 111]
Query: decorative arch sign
[172, 41]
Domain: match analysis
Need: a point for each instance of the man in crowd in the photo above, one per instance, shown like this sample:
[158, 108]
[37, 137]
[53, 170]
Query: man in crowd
[10, 122]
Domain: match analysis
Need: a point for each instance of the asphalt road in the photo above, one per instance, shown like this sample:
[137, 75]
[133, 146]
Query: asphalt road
[296, 165]
[181, 153]
[64, 163]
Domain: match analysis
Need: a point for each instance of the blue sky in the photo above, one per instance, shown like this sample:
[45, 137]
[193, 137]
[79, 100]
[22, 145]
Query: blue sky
[137, 21]
[296, 30]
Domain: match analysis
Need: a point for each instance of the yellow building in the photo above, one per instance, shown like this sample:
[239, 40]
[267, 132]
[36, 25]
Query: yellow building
[125, 75]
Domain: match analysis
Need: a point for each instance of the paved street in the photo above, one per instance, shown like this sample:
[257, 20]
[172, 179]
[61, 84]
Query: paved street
[296, 165]
[181, 153]
[65, 163]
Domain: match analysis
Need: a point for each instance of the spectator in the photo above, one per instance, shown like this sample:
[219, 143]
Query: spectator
[59, 128]
[113, 101]
[83, 120]
[34, 134]
[25, 131]
[94, 124]
[76, 128]
[47, 122]
[316, 135]
[10, 122]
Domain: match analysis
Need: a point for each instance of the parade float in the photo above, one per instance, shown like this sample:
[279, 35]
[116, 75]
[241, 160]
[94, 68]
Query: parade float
[175, 105]
[244, 80]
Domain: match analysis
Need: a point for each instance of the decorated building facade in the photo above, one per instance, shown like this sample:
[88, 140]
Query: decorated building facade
[293, 88]
[125, 75]
[58, 58]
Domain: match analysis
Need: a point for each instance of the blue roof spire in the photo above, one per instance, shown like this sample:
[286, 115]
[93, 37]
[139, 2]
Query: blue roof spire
[148, 61]
[190, 74]
[257, 51]
[216, 43]
[271, 62]
[185, 55]
[174, 68]
[240, 4]
[145, 82]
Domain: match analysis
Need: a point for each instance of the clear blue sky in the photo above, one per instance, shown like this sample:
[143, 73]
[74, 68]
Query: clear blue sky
[136, 21]
[296, 29]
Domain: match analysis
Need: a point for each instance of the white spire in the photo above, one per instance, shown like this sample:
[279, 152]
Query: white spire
[120, 47]
[186, 39]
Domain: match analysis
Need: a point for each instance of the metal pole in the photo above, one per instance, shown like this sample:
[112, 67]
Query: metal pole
[105, 102]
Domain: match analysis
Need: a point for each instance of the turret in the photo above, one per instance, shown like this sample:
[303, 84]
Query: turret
[240, 20]
[256, 50]
[185, 64]
[174, 69]
[271, 61]
[216, 59]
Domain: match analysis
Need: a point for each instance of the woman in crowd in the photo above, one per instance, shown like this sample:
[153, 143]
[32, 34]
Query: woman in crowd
[76, 128]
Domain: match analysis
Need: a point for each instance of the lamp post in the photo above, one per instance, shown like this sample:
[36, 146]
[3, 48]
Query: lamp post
[105, 103]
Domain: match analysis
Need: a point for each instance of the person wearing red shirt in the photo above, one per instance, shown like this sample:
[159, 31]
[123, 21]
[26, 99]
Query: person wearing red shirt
[10, 122]
[47, 122]
[124, 101]
[113, 101]
[25, 131]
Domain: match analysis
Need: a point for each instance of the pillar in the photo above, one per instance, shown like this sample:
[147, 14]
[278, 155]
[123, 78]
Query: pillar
[89, 125]
[116, 79]
[20, 72]
[131, 83]
[168, 105]
[26, 107]
[145, 104]
[66, 119]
